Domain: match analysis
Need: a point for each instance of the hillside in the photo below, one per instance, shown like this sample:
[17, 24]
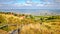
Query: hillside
[29, 24]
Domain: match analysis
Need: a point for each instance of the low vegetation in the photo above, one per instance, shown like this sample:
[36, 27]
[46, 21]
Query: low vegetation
[29, 24]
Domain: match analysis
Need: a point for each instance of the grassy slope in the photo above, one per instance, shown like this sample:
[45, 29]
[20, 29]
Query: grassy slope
[31, 24]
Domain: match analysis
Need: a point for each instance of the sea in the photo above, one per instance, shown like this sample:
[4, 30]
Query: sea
[33, 11]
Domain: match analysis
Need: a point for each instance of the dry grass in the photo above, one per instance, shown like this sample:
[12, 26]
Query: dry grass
[3, 32]
[30, 26]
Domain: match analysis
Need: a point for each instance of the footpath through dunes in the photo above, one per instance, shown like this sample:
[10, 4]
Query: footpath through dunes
[3, 32]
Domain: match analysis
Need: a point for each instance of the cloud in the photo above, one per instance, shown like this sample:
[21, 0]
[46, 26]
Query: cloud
[27, 4]
[0, 5]
[21, 4]
[8, 4]
[57, 1]
[7, 1]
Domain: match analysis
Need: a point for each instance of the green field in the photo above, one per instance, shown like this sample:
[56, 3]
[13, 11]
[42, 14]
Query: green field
[29, 24]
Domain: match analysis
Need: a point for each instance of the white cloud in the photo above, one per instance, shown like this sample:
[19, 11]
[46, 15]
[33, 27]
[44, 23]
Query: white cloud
[27, 4]
[40, 5]
[19, 4]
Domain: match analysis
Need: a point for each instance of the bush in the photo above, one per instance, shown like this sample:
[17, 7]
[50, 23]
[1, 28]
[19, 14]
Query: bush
[3, 20]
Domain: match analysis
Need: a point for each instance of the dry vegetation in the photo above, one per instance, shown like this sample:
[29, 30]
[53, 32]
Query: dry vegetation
[28, 24]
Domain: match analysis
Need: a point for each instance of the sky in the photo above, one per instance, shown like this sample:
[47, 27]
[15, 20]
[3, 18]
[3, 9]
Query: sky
[29, 4]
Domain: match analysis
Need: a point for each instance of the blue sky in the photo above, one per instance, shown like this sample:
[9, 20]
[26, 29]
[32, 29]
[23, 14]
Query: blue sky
[29, 4]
